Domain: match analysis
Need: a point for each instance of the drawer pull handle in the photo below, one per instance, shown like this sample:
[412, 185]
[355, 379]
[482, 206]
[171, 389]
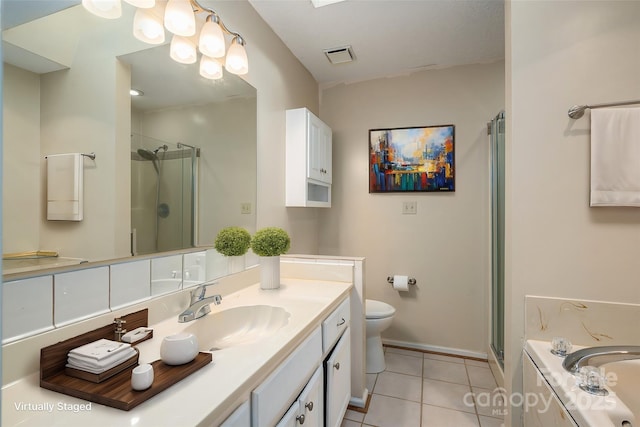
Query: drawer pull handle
[309, 406]
[341, 322]
[337, 366]
[300, 419]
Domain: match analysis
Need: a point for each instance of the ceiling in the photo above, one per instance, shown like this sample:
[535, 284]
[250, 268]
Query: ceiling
[388, 37]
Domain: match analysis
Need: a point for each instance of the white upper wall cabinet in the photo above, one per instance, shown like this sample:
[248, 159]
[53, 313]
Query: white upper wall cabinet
[308, 160]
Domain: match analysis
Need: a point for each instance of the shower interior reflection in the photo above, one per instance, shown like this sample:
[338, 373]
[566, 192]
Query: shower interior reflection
[163, 184]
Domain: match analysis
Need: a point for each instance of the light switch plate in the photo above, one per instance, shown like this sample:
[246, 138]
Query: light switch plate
[410, 208]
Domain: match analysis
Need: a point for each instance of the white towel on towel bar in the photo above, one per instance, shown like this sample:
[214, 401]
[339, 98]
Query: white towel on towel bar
[65, 187]
[615, 157]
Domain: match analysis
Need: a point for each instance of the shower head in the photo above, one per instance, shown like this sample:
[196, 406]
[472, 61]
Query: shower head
[146, 154]
[152, 155]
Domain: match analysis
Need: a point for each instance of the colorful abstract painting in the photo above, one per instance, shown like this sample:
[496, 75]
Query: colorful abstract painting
[412, 159]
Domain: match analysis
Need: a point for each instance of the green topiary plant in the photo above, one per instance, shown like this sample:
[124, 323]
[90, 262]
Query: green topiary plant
[270, 241]
[233, 241]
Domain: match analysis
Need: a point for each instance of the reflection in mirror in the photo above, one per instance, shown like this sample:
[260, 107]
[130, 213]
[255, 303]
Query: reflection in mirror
[67, 91]
[188, 139]
[163, 182]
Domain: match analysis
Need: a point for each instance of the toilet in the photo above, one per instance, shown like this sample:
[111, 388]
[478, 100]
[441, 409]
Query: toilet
[379, 316]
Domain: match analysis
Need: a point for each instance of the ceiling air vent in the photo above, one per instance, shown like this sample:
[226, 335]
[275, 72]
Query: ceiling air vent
[340, 55]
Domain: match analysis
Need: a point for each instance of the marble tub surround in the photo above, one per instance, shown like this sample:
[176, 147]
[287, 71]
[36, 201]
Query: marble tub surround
[208, 396]
[583, 322]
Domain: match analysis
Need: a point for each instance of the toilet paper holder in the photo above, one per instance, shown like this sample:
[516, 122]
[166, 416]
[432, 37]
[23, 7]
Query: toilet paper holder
[411, 280]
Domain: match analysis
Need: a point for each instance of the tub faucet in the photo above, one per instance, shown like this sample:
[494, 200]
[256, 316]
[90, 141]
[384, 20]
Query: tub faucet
[596, 356]
[199, 305]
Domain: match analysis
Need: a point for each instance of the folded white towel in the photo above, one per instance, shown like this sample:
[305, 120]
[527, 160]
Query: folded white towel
[100, 349]
[615, 157]
[98, 369]
[107, 362]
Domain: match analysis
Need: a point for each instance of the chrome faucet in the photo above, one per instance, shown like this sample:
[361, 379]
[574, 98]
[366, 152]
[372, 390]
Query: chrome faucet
[199, 305]
[596, 356]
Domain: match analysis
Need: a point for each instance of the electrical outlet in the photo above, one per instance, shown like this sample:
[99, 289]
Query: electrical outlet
[245, 208]
[410, 208]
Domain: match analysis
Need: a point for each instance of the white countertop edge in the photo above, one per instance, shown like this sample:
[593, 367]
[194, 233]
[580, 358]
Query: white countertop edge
[206, 397]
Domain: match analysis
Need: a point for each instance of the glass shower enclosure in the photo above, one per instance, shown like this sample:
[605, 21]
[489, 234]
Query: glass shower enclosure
[164, 188]
[497, 138]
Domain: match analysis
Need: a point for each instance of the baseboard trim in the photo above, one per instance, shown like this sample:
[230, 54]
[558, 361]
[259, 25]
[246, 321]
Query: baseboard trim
[362, 405]
[359, 402]
[436, 349]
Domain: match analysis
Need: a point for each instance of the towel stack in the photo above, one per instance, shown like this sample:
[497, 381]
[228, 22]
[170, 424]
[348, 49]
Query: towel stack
[99, 356]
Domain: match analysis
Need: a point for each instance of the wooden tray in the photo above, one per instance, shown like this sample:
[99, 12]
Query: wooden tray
[117, 392]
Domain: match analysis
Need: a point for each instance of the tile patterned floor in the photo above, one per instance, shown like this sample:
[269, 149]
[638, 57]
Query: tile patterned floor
[429, 390]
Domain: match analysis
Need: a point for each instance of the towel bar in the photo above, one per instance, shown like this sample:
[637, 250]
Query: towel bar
[577, 111]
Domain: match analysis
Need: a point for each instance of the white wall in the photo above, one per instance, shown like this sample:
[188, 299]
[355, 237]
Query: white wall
[21, 183]
[446, 245]
[560, 54]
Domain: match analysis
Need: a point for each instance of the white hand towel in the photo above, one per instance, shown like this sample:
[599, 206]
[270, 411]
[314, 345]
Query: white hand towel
[116, 358]
[615, 157]
[65, 187]
[99, 349]
[99, 367]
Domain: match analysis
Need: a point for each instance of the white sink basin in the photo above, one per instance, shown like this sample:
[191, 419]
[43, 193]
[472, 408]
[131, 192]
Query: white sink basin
[237, 326]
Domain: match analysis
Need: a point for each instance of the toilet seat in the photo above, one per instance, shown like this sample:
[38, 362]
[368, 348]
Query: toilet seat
[378, 309]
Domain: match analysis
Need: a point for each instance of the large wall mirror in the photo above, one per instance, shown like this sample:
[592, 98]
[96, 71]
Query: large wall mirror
[171, 167]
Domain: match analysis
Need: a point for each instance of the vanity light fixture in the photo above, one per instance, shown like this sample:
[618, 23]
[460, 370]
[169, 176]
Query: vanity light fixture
[136, 92]
[179, 17]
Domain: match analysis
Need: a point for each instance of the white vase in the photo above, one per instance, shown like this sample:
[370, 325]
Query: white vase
[236, 264]
[269, 272]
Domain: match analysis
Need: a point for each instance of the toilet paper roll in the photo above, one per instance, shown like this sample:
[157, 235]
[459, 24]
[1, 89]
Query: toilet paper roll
[401, 283]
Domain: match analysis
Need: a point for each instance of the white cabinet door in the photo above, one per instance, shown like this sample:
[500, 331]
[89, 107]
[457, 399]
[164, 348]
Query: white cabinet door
[326, 147]
[272, 398]
[292, 417]
[311, 400]
[307, 410]
[308, 165]
[338, 380]
[318, 150]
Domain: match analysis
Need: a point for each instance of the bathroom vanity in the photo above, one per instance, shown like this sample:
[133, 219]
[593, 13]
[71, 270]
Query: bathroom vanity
[239, 387]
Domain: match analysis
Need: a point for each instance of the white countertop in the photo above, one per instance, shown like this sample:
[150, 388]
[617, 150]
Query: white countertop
[209, 395]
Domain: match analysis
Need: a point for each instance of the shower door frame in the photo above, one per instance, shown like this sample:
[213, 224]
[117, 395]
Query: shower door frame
[497, 138]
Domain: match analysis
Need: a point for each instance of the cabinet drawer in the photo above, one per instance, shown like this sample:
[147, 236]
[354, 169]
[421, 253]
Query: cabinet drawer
[333, 325]
[272, 398]
[338, 381]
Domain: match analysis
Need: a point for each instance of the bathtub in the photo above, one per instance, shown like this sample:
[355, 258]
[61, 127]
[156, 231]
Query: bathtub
[620, 408]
